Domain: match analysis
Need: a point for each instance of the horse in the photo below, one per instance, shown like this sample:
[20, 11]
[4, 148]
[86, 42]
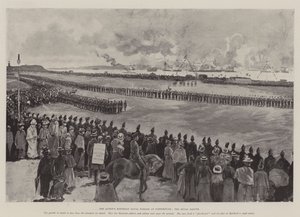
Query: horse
[123, 168]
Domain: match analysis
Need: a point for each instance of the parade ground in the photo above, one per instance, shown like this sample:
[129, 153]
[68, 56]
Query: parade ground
[262, 127]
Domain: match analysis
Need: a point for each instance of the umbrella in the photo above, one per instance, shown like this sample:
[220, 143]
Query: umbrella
[279, 177]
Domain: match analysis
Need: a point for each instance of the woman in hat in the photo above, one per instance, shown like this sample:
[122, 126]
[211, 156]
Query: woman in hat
[245, 177]
[32, 140]
[228, 177]
[44, 175]
[105, 191]
[217, 184]
[261, 183]
[20, 141]
[44, 136]
[203, 180]
[79, 152]
[168, 172]
[69, 171]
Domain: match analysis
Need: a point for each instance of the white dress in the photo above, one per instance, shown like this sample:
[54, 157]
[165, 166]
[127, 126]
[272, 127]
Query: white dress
[32, 142]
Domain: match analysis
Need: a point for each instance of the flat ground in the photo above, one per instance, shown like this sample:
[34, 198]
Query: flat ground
[17, 190]
[160, 84]
[252, 126]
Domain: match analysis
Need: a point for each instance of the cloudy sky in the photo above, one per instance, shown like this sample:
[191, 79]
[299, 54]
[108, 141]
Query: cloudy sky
[79, 37]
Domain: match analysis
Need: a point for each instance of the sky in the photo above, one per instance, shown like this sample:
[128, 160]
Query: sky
[83, 37]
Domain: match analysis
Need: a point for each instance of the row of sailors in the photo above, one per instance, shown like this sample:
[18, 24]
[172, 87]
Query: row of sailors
[57, 95]
[277, 102]
[93, 104]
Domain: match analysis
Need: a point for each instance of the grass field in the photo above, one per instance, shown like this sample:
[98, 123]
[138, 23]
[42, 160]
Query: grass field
[259, 127]
[159, 84]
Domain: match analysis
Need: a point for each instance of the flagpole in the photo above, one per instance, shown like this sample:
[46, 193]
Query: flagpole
[19, 104]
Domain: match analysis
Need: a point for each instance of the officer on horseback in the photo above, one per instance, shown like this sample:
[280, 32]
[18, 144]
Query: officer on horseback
[136, 154]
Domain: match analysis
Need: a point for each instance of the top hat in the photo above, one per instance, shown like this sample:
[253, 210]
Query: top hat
[123, 125]
[152, 129]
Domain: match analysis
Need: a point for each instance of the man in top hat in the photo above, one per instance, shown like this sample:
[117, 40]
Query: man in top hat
[151, 142]
[242, 155]
[32, 140]
[20, 141]
[245, 177]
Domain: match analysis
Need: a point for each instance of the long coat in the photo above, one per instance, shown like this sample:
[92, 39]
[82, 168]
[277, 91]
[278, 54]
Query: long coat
[190, 184]
[203, 184]
[53, 141]
[228, 190]
[32, 142]
[261, 185]
[79, 152]
[45, 175]
[20, 140]
[168, 171]
[44, 136]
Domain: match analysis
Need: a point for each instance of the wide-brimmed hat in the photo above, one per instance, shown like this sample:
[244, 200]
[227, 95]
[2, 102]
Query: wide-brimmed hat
[71, 127]
[203, 158]
[104, 176]
[217, 169]
[94, 132]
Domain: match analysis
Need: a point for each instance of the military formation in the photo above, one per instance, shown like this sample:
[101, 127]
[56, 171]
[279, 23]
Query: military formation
[43, 93]
[258, 101]
[93, 104]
